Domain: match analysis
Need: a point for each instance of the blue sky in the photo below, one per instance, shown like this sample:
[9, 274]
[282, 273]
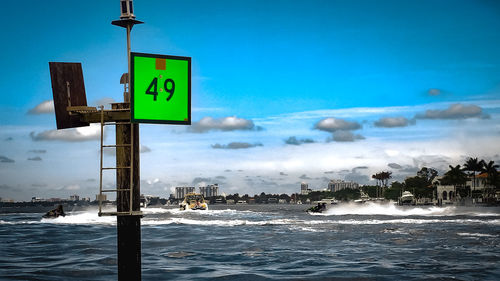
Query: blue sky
[283, 91]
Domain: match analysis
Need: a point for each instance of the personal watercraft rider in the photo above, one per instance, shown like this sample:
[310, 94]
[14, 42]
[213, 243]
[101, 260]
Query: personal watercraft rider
[55, 212]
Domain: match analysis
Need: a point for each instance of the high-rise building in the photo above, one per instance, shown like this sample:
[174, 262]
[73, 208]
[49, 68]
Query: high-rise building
[209, 190]
[336, 185]
[304, 188]
[181, 191]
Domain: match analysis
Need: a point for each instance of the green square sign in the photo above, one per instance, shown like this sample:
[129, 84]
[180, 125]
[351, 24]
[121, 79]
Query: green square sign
[160, 89]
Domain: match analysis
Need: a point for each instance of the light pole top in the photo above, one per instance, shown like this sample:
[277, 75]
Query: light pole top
[127, 17]
[127, 9]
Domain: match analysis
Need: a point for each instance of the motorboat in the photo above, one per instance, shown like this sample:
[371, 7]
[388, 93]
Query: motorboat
[327, 201]
[149, 200]
[363, 198]
[406, 198]
[193, 201]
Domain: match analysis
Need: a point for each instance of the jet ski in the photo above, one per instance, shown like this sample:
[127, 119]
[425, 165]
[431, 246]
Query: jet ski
[317, 209]
[55, 213]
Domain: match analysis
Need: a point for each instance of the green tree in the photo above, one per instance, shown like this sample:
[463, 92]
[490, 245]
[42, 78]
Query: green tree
[377, 178]
[492, 179]
[382, 181]
[418, 186]
[393, 192]
[385, 177]
[370, 190]
[456, 177]
[427, 173]
[473, 165]
[491, 169]
[347, 194]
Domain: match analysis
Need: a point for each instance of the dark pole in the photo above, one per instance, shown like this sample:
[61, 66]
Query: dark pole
[128, 226]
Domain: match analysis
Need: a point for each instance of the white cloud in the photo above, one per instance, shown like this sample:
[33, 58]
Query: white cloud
[144, 149]
[395, 166]
[232, 123]
[346, 136]
[153, 181]
[391, 152]
[367, 112]
[392, 122]
[106, 102]
[235, 145]
[190, 155]
[334, 124]
[294, 141]
[92, 132]
[36, 158]
[454, 111]
[4, 159]
[43, 108]
[38, 151]
[434, 92]
[72, 187]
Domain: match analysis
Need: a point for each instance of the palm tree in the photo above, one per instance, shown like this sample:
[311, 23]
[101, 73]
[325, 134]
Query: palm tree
[491, 170]
[382, 181]
[384, 177]
[455, 176]
[473, 165]
[377, 177]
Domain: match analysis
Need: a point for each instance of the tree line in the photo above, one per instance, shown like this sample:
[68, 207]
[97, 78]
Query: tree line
[423, 184]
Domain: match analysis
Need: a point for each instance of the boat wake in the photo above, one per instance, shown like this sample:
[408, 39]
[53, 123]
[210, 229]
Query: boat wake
[390, 209]
[343, 214]
[86, 217]
[307, 223]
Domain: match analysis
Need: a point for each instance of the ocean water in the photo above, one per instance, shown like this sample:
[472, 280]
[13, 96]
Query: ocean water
[262, 242]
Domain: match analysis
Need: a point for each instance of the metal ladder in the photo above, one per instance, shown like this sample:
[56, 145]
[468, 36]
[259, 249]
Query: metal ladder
[131, 167]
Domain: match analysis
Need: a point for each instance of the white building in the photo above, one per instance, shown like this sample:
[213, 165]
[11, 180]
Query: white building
[181, 191]
[446, 194]
[211, 190]
[336, 185]
[304, 188]
[480, 182]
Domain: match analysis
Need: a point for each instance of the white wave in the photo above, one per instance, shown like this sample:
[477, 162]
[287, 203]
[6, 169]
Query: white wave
[89, 217]
[17, 222]
[150, 211]
[476, 234]
[308, 229]
[306, 223]
[390, 209]
[177, 211]
[404, 221]
[218, 222]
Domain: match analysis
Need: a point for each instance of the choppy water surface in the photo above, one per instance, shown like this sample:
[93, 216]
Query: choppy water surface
[261, 242]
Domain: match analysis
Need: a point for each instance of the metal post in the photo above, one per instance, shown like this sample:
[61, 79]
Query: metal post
[101, 161]
[126, 95]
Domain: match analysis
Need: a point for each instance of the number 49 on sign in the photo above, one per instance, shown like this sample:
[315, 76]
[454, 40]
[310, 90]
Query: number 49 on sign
[160, 88]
